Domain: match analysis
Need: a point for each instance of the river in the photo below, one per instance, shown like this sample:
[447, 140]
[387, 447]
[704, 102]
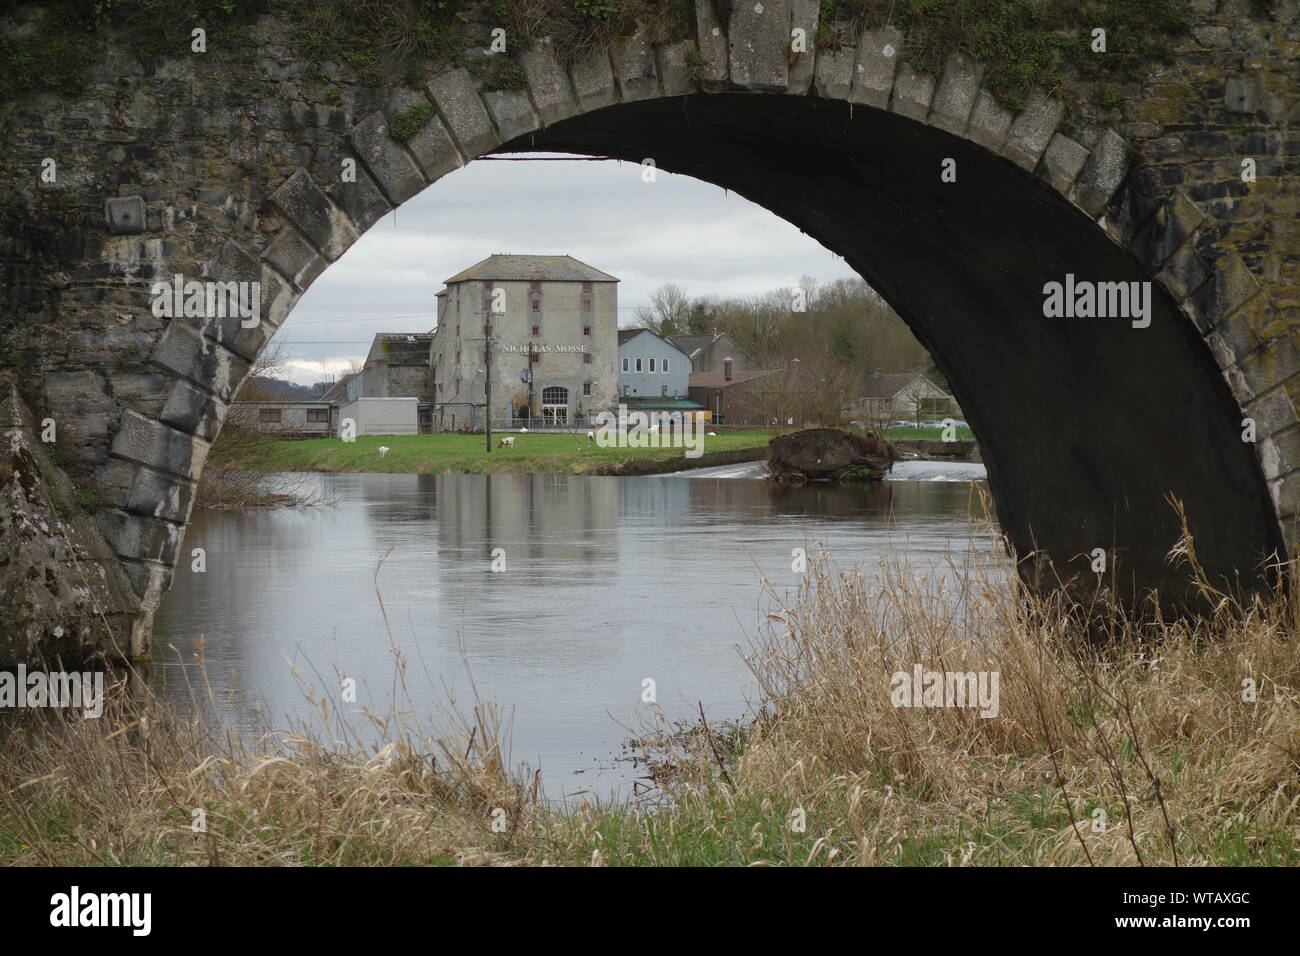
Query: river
[601, 584]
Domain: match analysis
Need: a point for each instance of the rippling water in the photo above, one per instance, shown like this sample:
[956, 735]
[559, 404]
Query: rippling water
[606, 582]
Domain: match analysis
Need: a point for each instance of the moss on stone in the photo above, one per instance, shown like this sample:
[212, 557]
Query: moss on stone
[499, 73]
[1023, 43]
[406, 124]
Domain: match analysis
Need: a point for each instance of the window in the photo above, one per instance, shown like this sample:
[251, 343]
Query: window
[458, 356]
[586, 358]
[638, 365]
[586, 305]
[537, 330]
[487, 357]
[318, 414]
[652, 365]
[535, 358]
[457, 330]
[586, 388]
[487, 306]
[555, 405]
[663, 391]
[488, 286]
[268, 414]
[625, 365]
[586, 287]
[663, 367]
[586, 330]
[534, 287]
[487, 331]
[537, 302]
[624, 389]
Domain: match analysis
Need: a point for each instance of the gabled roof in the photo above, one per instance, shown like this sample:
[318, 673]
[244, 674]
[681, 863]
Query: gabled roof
[627, 335]
[339, 389]
[720, 380]
[503, 268]
[889, 384]
[691, 344]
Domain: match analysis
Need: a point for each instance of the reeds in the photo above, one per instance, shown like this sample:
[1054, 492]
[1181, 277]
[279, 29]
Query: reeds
[1149, 749]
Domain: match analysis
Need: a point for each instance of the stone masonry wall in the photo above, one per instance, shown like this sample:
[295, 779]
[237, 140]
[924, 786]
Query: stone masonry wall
[239, 157]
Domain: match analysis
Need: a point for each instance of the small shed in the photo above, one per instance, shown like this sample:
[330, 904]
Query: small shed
[382, 416]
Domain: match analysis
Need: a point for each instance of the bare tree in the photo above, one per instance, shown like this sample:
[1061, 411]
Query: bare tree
[669, 312]
[917, 394]
[245, 432]
[813, 391]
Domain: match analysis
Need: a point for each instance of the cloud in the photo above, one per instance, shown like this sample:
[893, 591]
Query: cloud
[676, 229]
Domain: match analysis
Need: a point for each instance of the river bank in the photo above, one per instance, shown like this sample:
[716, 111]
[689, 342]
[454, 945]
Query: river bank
[530, 453]
[1141, 757]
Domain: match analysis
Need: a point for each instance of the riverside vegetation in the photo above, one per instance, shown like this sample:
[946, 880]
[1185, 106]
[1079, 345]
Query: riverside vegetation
[456, 454]
[1149, 750]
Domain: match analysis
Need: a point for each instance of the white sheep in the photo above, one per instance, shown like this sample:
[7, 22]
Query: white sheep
[383, 450]
[507, 442]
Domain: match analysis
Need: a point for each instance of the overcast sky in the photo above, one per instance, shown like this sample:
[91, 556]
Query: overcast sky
[676, 229]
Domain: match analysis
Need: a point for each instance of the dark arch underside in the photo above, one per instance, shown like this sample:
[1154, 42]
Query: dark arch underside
[1087, 425]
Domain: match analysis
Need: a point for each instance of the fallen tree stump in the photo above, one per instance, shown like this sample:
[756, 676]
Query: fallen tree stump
[829, 454]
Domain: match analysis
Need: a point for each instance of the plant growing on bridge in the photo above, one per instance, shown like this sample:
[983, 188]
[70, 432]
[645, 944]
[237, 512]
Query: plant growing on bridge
[405, 125]
[1023, 43]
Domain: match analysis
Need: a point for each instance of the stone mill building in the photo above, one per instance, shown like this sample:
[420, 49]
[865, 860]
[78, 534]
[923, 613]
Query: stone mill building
[546, 327]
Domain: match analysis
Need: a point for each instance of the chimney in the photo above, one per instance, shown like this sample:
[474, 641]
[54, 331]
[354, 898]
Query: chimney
[726, 368]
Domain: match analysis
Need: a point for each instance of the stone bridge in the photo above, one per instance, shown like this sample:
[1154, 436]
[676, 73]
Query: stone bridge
[236, 165]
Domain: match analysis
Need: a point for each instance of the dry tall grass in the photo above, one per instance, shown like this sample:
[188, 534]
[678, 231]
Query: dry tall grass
[1153, 730]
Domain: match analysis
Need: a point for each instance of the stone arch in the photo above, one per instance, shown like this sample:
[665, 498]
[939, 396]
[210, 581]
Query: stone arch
[311, 216]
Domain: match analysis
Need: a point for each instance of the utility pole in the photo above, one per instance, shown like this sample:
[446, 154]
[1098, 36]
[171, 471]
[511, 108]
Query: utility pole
[487, 384]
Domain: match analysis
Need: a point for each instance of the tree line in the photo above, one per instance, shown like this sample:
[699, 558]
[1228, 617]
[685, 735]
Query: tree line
[822, 339]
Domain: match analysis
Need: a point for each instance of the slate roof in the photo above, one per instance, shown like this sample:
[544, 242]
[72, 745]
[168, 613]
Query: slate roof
[720, 380]
[887, 384]
[339, 390]
[502, 268]
[690, 344]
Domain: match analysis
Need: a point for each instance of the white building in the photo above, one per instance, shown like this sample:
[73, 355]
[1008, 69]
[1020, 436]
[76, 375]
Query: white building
[382, 416]
[547, 326]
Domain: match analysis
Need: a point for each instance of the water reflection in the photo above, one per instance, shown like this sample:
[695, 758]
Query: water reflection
[605, 582]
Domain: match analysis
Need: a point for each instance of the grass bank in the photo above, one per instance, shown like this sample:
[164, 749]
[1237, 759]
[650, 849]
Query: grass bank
[1179, 743]
[926, 434]
[458, 454]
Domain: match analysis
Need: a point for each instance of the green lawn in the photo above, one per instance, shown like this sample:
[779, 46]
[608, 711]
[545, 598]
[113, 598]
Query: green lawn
[925, 434]
[438, 454]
